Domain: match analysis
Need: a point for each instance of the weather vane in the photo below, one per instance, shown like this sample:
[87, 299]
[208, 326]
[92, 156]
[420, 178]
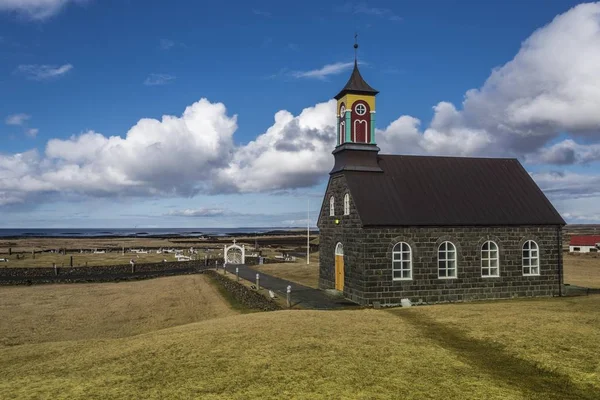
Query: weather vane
[355, 46]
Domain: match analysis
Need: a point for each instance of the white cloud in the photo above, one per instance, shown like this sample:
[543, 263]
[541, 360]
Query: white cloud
[43, 72]
[36, 9]
[363, 8]
[32, 132]
[166, 44]
[175, 156]
[550, 87]
[293, 152]
[158, 79]
[325, 71]
[568, 185]
[262, 13]
[17, 119]
[200, 212]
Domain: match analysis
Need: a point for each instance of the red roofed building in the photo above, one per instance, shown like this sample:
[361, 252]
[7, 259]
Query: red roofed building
[584, 244]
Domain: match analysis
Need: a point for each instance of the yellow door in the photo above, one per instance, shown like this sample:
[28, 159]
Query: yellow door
[339, 267]
[339, 273]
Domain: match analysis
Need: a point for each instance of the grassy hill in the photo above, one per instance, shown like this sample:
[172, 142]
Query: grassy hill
[534, 349]
[51, 313]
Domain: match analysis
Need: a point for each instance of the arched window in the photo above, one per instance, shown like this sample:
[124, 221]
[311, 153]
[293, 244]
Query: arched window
[447, 260]
[531, 258]
[342, 123]
[331, 206]
[489, 260]
[401, 262]
[339, 249]
[346, 204]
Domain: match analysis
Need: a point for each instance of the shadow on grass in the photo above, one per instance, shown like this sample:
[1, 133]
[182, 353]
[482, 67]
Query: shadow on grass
[533, 380]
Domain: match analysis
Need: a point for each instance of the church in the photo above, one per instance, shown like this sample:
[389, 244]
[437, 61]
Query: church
[430, 229]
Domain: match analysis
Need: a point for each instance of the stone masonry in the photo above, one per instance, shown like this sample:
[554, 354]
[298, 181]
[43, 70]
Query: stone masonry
[368, 258]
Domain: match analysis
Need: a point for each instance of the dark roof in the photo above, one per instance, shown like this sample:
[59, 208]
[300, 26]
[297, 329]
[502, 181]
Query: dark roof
[356, 84]
[422, 190]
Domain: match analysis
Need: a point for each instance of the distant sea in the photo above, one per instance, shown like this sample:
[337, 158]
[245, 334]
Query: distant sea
[139, 232]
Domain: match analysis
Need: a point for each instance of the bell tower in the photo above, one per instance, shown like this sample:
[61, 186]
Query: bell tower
[356, 149]
[356, 109]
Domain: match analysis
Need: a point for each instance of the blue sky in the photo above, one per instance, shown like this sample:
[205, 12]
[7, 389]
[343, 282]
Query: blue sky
[73, 74]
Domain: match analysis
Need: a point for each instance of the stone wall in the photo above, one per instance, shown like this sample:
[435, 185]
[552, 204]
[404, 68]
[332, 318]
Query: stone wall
[368, 259]
[243, 294]
[97, 274]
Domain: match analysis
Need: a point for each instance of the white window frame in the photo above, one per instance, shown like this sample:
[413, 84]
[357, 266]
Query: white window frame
[332, 206]
[445, 260]
[488, 258]
[362, 108]
[346, 204]
[530, 261]
[401, 258]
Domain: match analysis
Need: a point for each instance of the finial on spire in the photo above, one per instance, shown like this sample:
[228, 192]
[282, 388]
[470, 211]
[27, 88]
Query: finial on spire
[355, 47]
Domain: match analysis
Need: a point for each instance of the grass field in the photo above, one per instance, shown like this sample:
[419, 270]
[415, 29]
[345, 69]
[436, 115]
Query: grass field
[520, 349]
[52, 313]
[582, 270]
[299, 271]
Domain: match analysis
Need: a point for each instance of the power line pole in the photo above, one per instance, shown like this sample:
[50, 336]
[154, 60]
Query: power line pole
[308, 233]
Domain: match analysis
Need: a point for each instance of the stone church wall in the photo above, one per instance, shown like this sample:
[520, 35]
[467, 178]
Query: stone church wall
[344, 232]
[368, 259]
[469, 285]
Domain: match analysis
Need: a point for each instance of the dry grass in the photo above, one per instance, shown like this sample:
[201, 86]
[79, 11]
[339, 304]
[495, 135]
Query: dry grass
[582, 270]
[299, 272]
[29, 244]
[49, 313]
[541, 349]
[558, 337]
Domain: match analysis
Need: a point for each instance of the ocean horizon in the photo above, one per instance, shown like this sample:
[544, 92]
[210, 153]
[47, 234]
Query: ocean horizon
[141, 232]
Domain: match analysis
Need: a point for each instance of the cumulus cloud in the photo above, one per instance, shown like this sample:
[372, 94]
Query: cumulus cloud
[566, 152]
[175, 156]
[293, 152]
[36, 9]
[551, 86]
[17, 119]
[43, 72]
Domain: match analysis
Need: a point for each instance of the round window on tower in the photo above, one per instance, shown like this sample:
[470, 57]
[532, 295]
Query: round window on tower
[342, 111]
[360, 109]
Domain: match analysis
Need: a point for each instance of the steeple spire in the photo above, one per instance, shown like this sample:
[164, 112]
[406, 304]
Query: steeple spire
[356, 84]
